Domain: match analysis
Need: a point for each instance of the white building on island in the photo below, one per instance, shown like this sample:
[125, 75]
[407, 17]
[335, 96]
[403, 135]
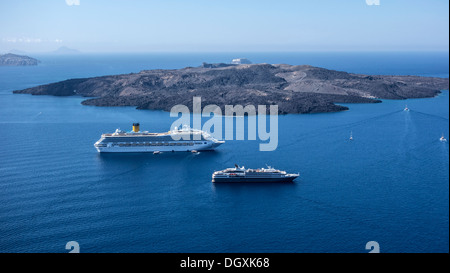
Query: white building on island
[241, 61]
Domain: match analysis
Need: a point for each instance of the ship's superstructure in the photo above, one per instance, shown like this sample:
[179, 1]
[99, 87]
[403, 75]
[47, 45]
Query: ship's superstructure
[183, 139]
[241, 174]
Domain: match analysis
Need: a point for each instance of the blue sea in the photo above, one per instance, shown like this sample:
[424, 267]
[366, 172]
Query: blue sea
[389, 185]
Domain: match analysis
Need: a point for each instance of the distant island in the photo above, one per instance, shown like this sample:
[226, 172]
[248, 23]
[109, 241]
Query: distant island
[16, 60]
[294, 88]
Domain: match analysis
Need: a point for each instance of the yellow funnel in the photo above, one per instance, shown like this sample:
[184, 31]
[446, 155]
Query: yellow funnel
[135, 127]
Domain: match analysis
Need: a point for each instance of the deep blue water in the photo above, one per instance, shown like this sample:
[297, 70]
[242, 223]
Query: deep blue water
[389, 185]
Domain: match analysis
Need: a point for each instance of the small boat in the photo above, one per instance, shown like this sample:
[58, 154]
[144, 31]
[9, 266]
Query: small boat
[156, 152]
[195, 152]
[406, 108]
[443, 139]
[351, 135]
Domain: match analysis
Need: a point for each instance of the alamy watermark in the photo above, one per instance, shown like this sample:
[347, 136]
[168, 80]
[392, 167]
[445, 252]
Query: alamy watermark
[373, 246]
[73, 246]
[73, 2]
[253, 118]
[373, 2]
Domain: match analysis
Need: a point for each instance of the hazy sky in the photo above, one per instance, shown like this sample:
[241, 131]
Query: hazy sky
[223, 25]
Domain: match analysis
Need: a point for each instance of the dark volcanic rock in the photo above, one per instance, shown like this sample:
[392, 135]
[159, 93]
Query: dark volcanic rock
[17, 60]
[295, 89]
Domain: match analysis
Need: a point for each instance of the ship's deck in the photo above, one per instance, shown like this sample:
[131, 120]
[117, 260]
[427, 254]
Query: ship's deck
[134, 134]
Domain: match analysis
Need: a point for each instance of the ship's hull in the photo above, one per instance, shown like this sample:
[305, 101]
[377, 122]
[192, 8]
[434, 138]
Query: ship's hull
[151, 149]
[244, 179]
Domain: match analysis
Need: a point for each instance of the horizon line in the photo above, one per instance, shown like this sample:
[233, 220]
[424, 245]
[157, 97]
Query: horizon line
[225, 51]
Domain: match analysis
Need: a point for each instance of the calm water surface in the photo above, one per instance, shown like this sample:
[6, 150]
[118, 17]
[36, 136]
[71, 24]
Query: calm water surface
[389, 185]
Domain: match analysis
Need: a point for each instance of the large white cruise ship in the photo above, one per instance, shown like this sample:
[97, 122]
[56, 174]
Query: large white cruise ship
[179, 140]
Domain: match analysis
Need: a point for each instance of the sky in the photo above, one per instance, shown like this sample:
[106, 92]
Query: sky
[224, 25]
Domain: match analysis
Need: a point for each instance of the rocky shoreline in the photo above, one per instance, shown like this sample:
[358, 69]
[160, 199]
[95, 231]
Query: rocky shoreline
[295, 89]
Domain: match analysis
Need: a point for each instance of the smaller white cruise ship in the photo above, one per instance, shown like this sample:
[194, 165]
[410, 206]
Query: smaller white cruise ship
[241, 174]
[184, 139]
